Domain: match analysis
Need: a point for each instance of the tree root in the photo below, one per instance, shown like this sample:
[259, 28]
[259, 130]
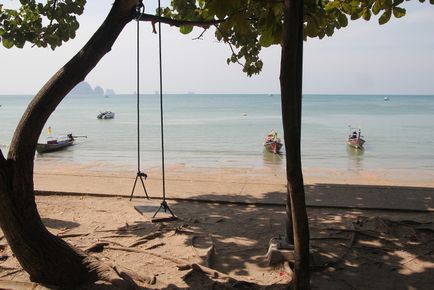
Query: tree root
[216, 280]
[155, 246]
[180, 263]
[6, 268]
[113, 243]
[11, 273]
[211, 272]
[109, 274]
[165, 257]
[60, 235]
[147, 238]
[207, 254]
[22, 285]
[96, 248]
[117, 236]
[126, 229]
[129, 274]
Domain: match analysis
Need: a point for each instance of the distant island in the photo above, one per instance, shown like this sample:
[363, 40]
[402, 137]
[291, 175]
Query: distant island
[84, 88]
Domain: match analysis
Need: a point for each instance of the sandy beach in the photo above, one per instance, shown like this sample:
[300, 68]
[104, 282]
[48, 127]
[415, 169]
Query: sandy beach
[226, 218]
[118, 179]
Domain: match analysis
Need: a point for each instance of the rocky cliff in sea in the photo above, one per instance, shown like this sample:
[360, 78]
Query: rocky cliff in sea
[84, 88]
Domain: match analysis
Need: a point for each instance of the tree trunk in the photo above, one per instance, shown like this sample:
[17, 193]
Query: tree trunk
[45, 257]
[291, 68]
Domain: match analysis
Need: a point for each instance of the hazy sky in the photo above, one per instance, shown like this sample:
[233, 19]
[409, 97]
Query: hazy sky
[364, 58]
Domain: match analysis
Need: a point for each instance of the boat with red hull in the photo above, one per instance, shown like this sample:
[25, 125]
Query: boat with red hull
[272, 143]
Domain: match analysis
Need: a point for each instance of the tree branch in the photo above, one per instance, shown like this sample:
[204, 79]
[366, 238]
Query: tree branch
[24, 141]
[52, 11]
[176, 22]
[201, 35]
[229, 43]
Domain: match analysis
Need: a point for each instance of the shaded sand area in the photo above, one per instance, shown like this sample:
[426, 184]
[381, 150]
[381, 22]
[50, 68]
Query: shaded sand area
[225, 221]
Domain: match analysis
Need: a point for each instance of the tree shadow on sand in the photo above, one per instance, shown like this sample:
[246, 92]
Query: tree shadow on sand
[59, 224]
[394, 249]
[351, 248]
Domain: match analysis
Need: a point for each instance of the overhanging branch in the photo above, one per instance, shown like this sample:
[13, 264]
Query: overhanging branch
[230, 45]
[177, 22]
[201, 34]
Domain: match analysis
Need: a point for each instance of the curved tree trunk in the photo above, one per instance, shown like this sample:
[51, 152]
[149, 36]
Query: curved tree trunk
[45, 257]
[291, 68]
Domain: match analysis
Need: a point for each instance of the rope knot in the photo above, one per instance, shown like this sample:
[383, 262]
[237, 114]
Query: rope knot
[140, 9]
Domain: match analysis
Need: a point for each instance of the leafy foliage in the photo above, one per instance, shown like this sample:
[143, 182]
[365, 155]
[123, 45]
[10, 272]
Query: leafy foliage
[246, 25]
[43, 25]
[252, 24]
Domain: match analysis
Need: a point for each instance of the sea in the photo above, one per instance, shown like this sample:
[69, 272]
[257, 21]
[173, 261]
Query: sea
[228, 130]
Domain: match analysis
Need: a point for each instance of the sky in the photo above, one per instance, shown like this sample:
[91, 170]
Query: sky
[363, 58]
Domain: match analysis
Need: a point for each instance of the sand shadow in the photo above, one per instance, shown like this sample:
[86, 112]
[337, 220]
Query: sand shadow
[342, 259]
[370, 196]
[59, 224]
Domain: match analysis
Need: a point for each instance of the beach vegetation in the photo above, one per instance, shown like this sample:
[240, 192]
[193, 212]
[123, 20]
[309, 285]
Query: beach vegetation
[246, 25]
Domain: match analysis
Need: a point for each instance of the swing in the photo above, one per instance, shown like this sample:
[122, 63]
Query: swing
[163, 206]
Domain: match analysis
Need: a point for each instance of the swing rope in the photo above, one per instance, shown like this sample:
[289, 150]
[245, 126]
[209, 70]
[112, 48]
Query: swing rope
[140, 9]
[163, 206]
[161, 103]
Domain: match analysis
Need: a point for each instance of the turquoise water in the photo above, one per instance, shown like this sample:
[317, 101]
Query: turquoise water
[228, 130]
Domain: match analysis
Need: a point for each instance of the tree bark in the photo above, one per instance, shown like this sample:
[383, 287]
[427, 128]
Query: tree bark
[47, 258]
[291, 68]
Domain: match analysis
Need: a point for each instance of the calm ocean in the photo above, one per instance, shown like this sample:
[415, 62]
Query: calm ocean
[228, 130]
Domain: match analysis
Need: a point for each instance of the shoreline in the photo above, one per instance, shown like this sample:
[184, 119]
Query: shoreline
[265, 174]
[266, 186]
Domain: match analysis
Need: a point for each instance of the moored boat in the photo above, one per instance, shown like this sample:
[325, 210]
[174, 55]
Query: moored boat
[355, 139]
[55, 144]
[272, 143]
[106, 115]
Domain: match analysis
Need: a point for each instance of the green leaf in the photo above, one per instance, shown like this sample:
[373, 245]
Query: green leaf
[366, 14]
[220, 7]
[266, 39]
[310, 30]
[328, 31]
[240, 23]
[342, 20]
[376, 8]
[346, 8]
[186, 29]
[355, 16]
[385, 17]
[7, 43]
[398, 12]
